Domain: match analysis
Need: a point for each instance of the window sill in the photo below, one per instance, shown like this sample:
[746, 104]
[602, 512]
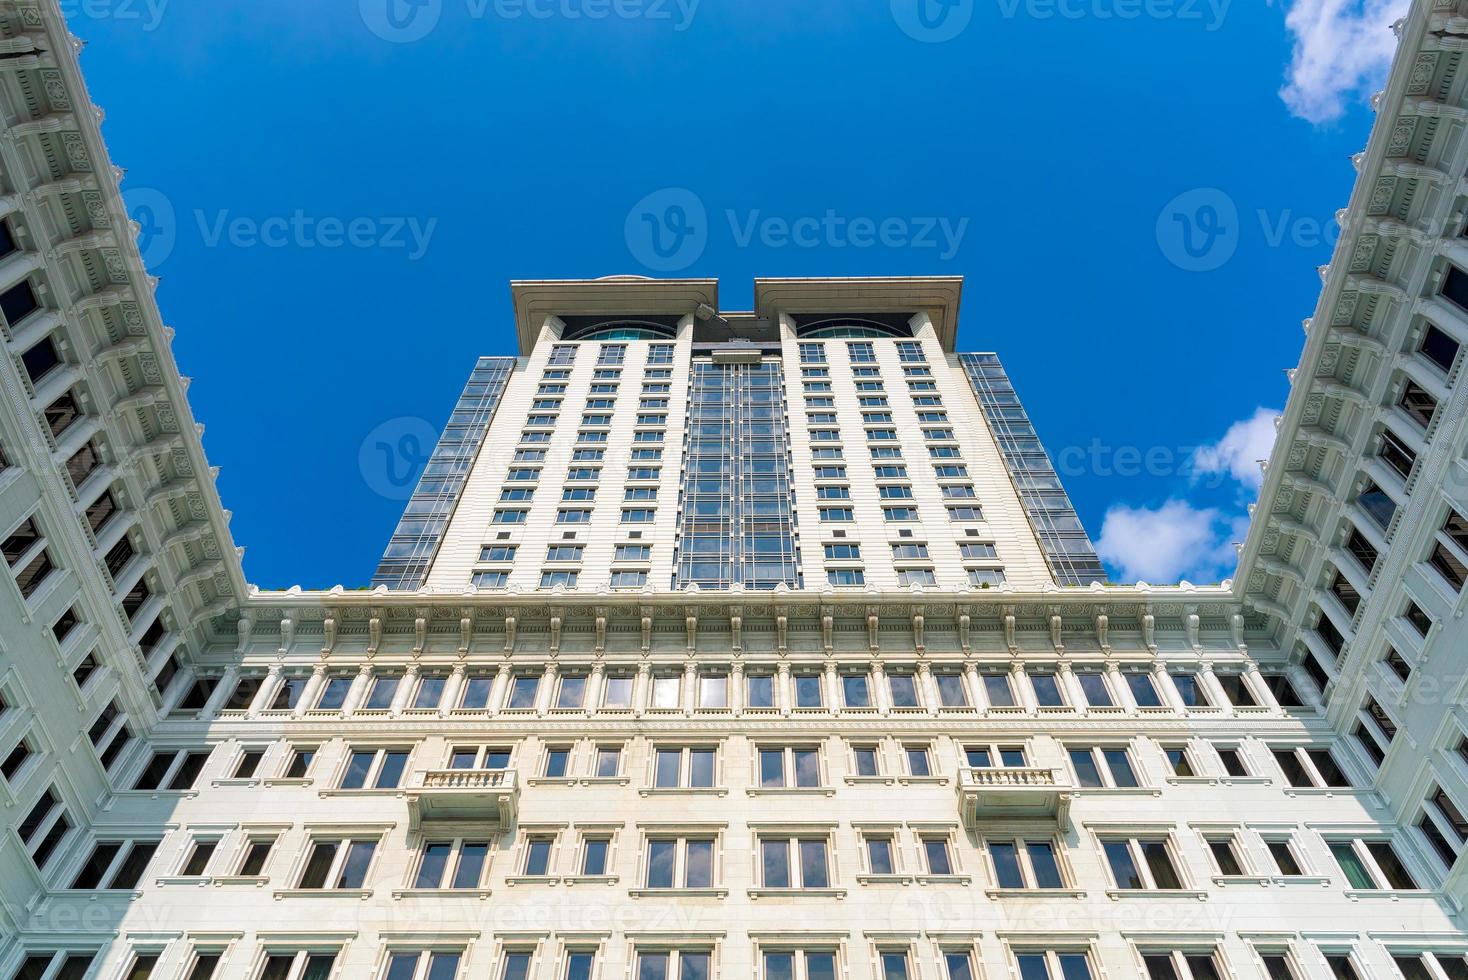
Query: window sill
[327, 794]
[513, 880]
[604, 780]
[678, 892]
[790, 791]
[1119, 893]
[684, 791]
[288, 781]
[440, 893]
[1246, 780]
[96, 894]
[1192, 780]
[923, 780]
[551, 781]
[256, 880]
[1326, 791]
[836, 893]
[870, 780]
[235, 781]
[926, 879]
[1392, 894]
[1224, 880]
[1321, 880]
[591, 880]
[1118, 790]
[891, 879]
[197, 881]
[1035, 893]
[157, 794]
[361, 894]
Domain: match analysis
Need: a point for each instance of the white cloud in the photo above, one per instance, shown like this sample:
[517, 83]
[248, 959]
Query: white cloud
[1169, 543]
[1239, 451]
[1341, 48]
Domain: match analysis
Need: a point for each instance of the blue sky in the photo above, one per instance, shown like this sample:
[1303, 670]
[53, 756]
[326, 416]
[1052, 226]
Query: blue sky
[337, 193]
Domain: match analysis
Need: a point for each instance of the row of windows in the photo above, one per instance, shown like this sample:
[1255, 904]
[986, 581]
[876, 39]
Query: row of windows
[778, 765]
[849, 687]
[775, 959]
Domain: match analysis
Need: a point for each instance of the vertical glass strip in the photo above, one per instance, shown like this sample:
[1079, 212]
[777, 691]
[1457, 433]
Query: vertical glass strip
[1058, 528]
[415, 542]
[737, 523]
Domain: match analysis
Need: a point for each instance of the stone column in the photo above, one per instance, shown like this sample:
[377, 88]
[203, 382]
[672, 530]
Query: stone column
[832, 684]
[266, 693]
[640, 688]
[975, 688]
[546, 690]
[784, 697]
[595, 683]
[406, 684]
[499, 690]
[358, 690]
[1021, 686]
[690, 687]
[881, 697]
[928, 688]
[221, 691]
[736, 688]
[312, 691]
[1120, 689]
[451, 689]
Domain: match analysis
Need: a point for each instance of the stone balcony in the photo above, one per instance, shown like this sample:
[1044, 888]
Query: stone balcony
[993, 793]
[487, 798]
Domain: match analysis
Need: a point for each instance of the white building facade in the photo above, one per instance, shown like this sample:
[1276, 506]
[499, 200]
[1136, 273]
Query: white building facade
[730, 644]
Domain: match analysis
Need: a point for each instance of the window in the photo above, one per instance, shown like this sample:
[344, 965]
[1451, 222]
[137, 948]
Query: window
[680, 862]
[452, 864]
[628, 579]
[298, 761]
[334, 692]
[1141, 863]
[523, 691]
[808, 869]
[789, 767]
[1182, 965]
[919, 760]
[115, 865]
[247, 763]
[951, 690]
[374, 769]
[879, 854]
[916, 576]
[25, 552]
[1047, 690]
[673, 965]
[1143, 689]
[866, 760]
[1233, 760]
[894, 964]
[997, 689]
[902, 685]
[1439, 348]
[855, 690]
[479, 757]
[1448, 553]
[557, 757]
[1397, 454]
[422, 965]
[617, 691]
[516, 965]
[985, 756]
[667, 691]
[799, 964]
[337, 864]
[1024, 863]
[1443, 824]
[1418, 404]
[846, 576]
[684, 767]
[1095, 688]
[937, 854]
[380, 695]
[172, 770]
[1283, 690]
[1370, 864]
[1179, 761]
[608, 761]
[1377, 504]
[1307, 767]
[1236, 689]
[759, 690]
[808, 690]
[1427, 966]
[633, 552]
[1103, 766]
[63, 965]
[1190, 690]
